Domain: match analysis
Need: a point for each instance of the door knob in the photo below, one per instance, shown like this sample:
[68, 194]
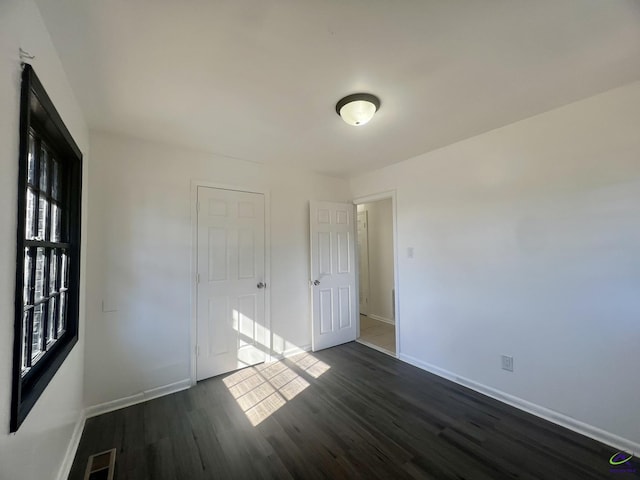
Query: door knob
[316, 282]
[261, 285]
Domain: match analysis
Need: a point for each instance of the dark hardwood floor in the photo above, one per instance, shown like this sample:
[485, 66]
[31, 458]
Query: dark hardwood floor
[345, 412]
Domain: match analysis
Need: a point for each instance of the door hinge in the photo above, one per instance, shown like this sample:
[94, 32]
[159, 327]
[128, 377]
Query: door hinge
[197, 350]
[197, 278]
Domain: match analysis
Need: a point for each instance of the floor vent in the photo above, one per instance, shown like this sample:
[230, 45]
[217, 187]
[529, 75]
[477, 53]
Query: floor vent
[101, 466]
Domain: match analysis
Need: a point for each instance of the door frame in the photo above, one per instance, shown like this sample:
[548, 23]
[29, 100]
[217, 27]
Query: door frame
[390, 194]
[193, 330]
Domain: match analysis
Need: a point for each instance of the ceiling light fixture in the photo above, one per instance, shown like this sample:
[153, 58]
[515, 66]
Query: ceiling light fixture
[358, 109]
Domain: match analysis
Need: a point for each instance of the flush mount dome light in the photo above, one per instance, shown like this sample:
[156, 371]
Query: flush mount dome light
[358, 109]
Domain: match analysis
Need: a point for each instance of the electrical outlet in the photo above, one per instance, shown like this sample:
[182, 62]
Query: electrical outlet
[507, 363]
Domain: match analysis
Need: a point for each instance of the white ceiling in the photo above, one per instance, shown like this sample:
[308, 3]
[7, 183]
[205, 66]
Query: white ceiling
[259, 79]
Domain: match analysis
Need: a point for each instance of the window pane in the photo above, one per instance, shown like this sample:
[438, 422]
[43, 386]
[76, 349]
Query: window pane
[40, 259]
[43, 214]
[30, 214]
[44, 170]
[55, 223]
[64, 273]
[28, 267]
[25, 337]
[55, 180]
[36, 343]
[53, 272]
[62, 314]
[31, 161]
[51, 328]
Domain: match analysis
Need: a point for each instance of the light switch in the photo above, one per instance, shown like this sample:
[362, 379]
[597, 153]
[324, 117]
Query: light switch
[410, 252]
[109, 306]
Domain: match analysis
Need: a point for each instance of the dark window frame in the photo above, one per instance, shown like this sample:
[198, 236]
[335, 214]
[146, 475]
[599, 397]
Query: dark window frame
[40, 120]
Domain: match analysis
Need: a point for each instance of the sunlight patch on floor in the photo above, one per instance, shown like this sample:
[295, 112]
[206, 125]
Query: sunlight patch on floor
[310, 364]
[263, 389]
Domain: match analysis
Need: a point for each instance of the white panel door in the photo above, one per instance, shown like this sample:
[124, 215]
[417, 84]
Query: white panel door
[231, 281]
[333, 276]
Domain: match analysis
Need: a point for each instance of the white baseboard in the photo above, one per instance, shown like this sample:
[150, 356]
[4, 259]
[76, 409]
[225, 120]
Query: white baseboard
[289, 352]
[107, 407]
[608, 438]
[70, 454]
[381, 319]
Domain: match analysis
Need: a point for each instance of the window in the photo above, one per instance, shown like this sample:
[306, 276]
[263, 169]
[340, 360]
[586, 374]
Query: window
[48, 259]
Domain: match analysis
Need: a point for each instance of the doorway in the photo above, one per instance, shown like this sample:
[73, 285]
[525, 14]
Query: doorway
[376, 274]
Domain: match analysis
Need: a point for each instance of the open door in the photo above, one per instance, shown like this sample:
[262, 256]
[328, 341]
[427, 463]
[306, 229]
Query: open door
[333, 274]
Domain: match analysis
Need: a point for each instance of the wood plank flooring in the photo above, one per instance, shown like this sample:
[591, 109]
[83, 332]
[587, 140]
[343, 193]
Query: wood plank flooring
[345, 412]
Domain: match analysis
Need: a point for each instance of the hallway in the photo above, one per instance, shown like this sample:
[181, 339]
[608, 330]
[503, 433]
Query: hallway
[380, 334]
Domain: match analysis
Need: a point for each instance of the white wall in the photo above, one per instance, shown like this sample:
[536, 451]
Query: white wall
[140, 258]
[527, 243]
[380, 233]
[37, 450]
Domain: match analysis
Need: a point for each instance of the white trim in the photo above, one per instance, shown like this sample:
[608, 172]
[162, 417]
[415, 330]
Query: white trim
[396, 274]
[608, 438]
[376, 347]
[289, 352]
[380, 319]
[193, 327]
[194, 267]
[137, 398]
[374, 197]
[72, 448]
[267, 274]
[356, 253]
